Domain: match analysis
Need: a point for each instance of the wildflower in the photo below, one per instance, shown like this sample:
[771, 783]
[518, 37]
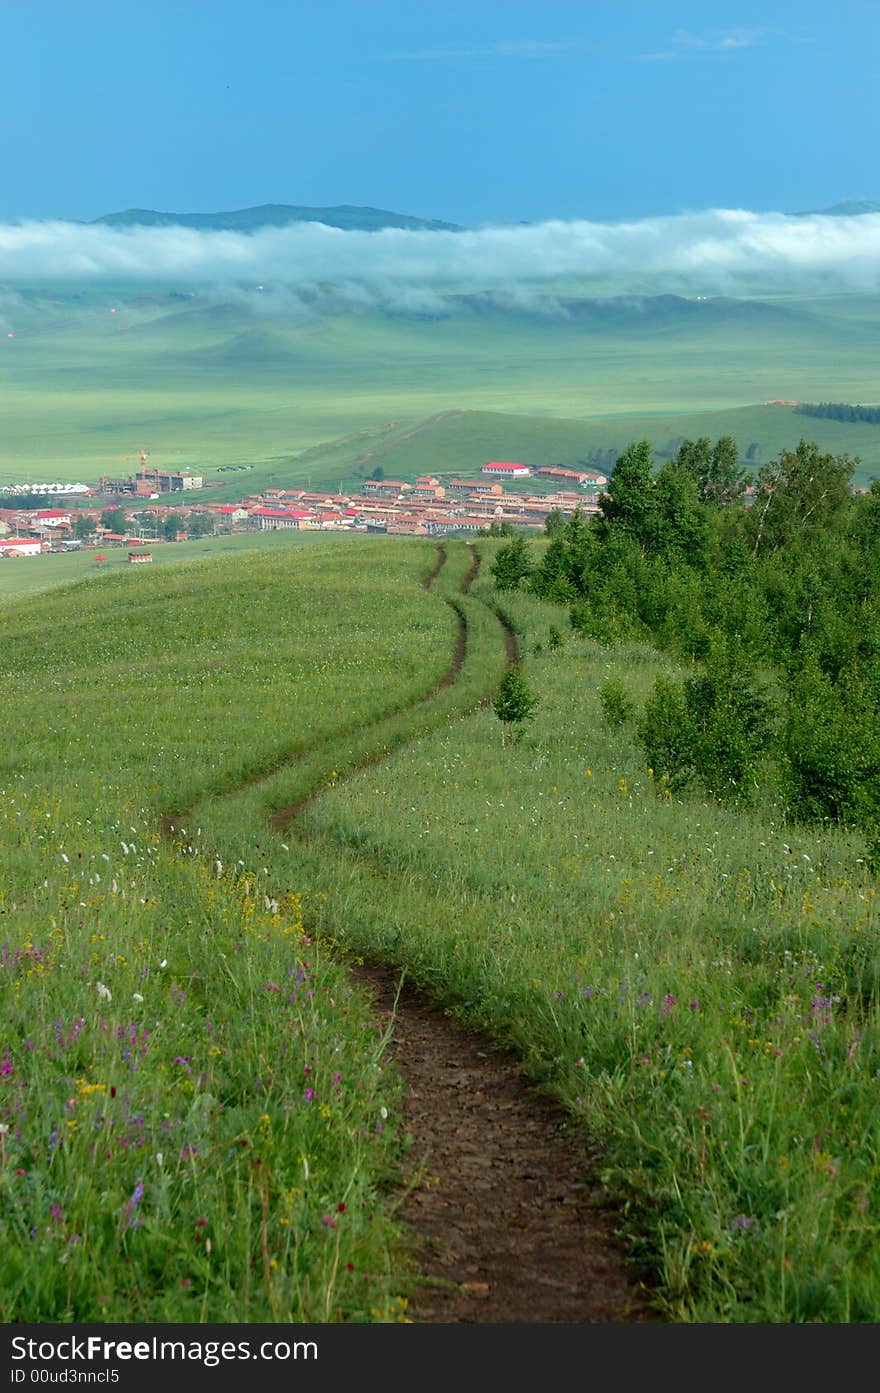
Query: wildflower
[136, 996]
[694, 1005]
[103, 992]
[309, 1095]
[137, 1195]
[328, 1221]
[668, 1003]
[6, 1065]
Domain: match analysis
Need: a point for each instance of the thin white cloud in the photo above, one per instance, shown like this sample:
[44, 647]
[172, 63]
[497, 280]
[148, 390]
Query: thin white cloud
[720, 41]
[508, 48]
[702, 252]
[686, 44]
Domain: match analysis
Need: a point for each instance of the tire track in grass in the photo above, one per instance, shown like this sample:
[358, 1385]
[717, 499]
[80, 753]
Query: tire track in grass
[170, 822]
[506, 1221]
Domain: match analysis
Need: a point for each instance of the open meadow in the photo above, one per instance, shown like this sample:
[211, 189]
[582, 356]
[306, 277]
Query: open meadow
[322, 395]
[198, 1122]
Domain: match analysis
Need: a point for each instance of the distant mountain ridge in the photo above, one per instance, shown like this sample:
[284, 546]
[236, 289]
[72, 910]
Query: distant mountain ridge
[851, 208]
[343, 215]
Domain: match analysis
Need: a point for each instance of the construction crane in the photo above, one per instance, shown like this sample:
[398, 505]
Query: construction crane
[143, 457]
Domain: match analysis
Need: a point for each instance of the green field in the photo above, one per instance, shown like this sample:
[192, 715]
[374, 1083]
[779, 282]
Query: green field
[26, 575]
[198, 1122]
[203, 381]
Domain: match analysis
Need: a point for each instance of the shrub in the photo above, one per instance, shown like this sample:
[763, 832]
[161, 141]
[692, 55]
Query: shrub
[618, 706]
[515, 701]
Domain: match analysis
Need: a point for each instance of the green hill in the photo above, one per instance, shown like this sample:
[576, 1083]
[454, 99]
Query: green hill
[207, 379]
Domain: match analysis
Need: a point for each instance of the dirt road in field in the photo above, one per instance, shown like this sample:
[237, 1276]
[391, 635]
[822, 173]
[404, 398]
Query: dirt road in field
[500, 1197]
[505, 1219]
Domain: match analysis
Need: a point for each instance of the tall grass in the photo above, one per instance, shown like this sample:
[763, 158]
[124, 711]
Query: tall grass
[697, 986]
[195, 1118]
[196, 1121]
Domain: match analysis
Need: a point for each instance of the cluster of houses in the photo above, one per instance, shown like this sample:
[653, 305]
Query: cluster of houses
[424, 508]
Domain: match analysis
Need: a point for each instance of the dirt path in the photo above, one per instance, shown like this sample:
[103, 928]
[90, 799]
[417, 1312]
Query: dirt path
[507, 1224]
[497, 1193]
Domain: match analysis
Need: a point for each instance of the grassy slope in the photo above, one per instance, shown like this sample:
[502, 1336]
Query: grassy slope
[190, 1092]
[58, 568]
[202, 383]
[698, 985]
[657, 963]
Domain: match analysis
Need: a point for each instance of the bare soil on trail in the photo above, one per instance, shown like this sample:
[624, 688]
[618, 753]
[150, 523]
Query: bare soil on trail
[505, 1219]
[500, 1196]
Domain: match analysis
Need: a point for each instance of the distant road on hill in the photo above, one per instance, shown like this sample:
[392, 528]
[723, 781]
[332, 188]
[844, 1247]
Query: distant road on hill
[343, 215]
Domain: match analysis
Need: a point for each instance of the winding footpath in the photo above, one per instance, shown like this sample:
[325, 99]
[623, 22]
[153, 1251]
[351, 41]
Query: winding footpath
[499, 1196]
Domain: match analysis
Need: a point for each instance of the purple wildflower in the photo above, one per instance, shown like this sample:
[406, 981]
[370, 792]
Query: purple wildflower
[131, 1204]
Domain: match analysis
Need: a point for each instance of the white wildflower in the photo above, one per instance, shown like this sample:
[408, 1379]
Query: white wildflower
[103, 992]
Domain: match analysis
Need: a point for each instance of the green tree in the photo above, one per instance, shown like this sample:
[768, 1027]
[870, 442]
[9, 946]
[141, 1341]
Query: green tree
[513, 564]
[681, 528]
[554, 522]
[83, 527]
[114, 519]
[629, 504]
[617, 705]
[715, 469]
[800, 492]
[514, 704]
[200, 525]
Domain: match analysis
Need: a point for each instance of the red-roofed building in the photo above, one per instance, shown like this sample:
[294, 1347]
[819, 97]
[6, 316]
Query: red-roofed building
[283, 519]
[506, 470]
[20, 546]
[475, 486]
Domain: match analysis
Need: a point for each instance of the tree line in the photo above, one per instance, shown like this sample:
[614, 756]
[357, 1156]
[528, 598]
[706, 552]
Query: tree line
[771, 593]
[840, 411]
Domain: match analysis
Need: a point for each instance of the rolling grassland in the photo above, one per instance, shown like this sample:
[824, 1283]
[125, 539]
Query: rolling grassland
[206, 382]
[198, 1124]
[191, 1098]
[697, 986]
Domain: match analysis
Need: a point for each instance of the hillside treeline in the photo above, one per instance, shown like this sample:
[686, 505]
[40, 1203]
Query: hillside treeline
[772, 596]
[840, 411]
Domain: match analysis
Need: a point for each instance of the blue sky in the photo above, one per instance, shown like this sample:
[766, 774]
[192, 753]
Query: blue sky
[474, 112]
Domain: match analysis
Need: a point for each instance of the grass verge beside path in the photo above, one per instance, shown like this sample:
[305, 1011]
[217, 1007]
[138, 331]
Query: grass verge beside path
[195, 1120]
[699, 987]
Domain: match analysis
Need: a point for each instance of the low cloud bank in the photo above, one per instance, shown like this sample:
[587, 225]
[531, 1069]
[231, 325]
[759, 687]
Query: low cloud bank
[705, 252]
